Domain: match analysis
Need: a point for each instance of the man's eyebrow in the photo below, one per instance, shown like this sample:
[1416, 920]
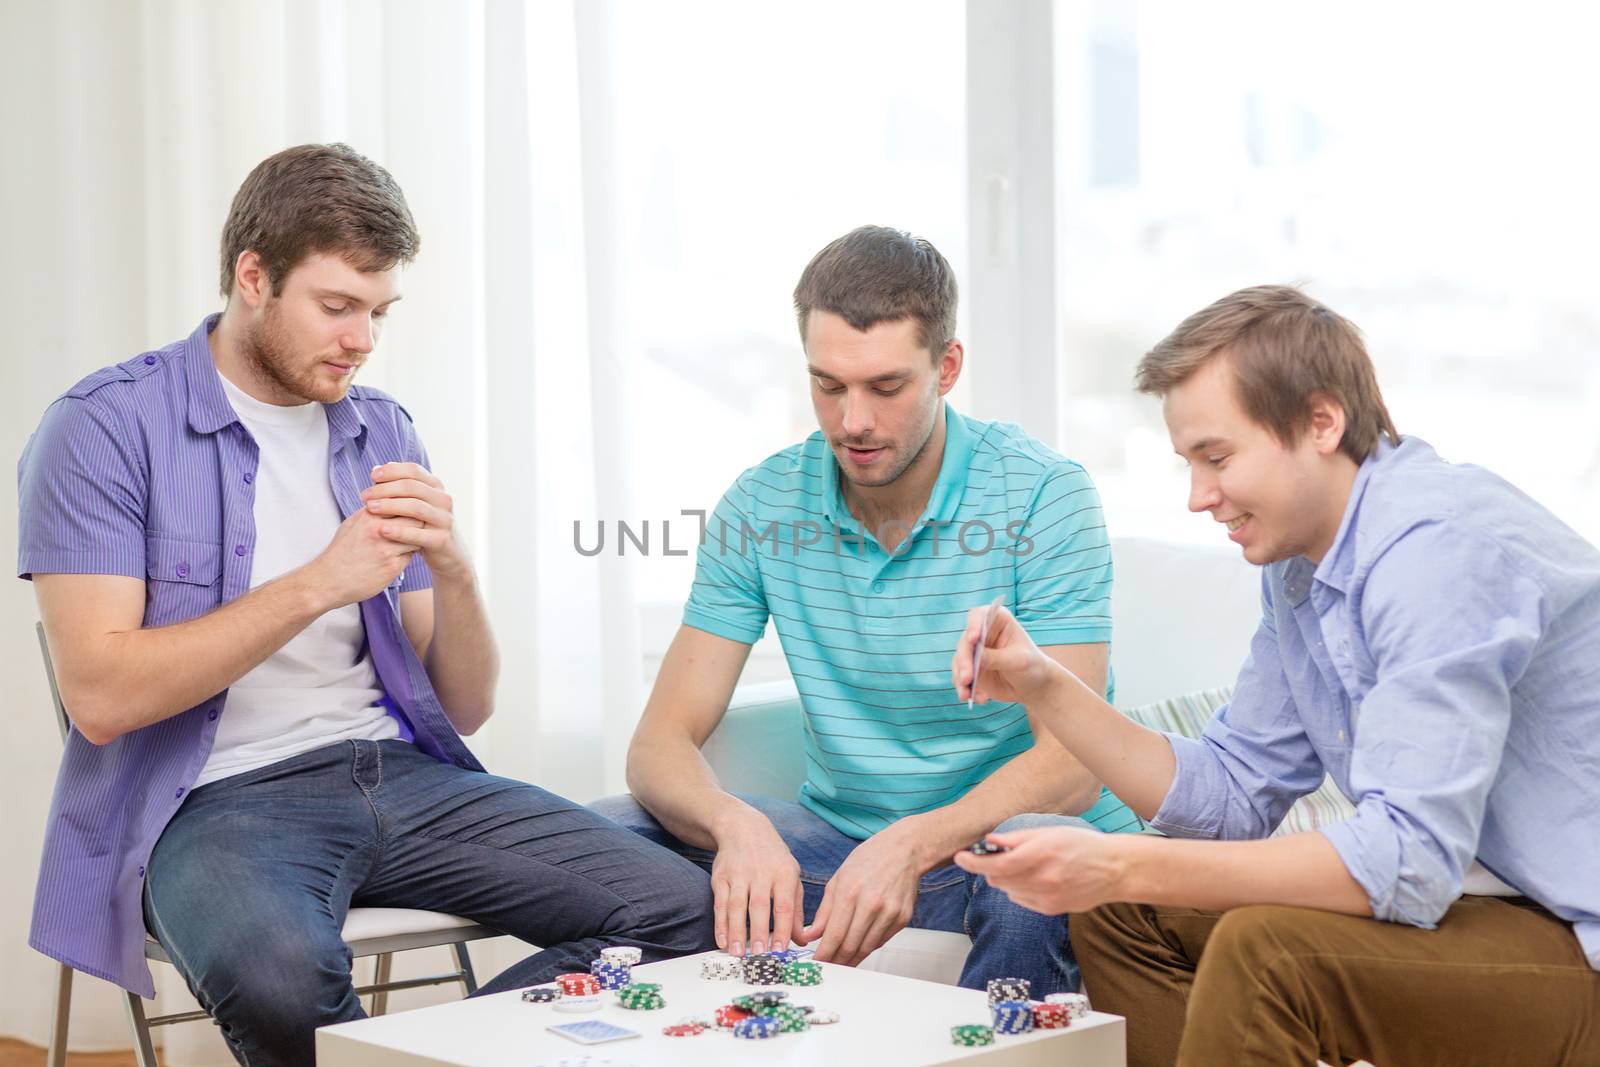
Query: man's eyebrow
[1202, 445]
[353, 298]
[895, 376]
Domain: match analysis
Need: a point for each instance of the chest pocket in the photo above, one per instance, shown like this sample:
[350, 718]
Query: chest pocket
[184, 579]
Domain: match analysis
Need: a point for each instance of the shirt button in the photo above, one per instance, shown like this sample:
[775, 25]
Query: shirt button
[248, 477]
[178, 794]
[149, 361]
[238, 550]
[212, 714]
[141, 872]
[877, 587]
[183, 570]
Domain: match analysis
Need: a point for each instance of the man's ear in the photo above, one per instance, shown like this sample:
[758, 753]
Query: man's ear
[1327, 424]
[250, 279]
[950, 365]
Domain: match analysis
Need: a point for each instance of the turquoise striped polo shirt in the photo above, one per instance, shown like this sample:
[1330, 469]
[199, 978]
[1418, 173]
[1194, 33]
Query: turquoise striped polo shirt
[868, 634]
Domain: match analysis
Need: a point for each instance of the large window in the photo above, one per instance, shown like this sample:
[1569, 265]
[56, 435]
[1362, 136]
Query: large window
[1421, 168]
[747, 137]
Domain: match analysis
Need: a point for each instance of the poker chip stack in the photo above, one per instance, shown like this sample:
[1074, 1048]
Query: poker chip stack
[1049, 1016]
[641, 996]
[760, 1003]
[579, 992]
[1012, 1016]
[971, 1035]
[1077, 1004]
[622, 955]
[542, 994]
[758, 1026]
[822, 1018]
[1008, 989]
[802, 972]
[611, 975]
[722, 968]
[688, 1029]
[728, 1016]
[791, 1018]
[765, 969]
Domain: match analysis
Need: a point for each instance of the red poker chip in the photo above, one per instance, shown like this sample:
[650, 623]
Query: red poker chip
[727, 1015]
[683, 1030]
[1051, 1017]
[577, 984]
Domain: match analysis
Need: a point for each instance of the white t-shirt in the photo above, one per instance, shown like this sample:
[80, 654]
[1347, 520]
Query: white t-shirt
[320, 687]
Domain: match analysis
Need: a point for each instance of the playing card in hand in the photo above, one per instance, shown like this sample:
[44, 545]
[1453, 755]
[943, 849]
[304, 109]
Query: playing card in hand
[983, 639]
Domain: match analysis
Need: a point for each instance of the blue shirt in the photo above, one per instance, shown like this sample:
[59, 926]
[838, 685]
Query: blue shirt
[143, 469]
[1442, 663]
[869, 633]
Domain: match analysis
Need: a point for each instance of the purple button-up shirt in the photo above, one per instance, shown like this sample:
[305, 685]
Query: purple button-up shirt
[143, 469]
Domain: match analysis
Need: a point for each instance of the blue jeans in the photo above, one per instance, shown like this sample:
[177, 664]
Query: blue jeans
[1008, 940]
[248, 886]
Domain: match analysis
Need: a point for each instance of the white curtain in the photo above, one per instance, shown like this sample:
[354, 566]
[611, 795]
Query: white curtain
[128, 126]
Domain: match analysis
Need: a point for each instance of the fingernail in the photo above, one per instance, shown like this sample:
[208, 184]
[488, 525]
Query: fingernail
[756, 947]
[735, 948]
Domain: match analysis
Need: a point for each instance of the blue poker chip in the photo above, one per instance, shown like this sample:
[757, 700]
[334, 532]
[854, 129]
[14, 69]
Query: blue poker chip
[1012, 1017]
[758, 1026]
[611, 975]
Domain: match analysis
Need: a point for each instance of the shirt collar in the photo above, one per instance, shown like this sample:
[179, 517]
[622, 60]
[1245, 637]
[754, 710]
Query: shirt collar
[948, 488]
[1337, 565]
[209, 410]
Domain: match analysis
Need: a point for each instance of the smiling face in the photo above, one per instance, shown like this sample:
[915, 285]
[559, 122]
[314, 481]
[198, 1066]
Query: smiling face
[1277, 500]
[307, 342]
[876, 393]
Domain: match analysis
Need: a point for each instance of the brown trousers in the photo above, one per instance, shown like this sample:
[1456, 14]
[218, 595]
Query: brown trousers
[1500, 982]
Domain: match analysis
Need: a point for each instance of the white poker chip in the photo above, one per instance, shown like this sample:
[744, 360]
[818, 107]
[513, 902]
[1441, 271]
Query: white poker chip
[1077, 1004]
[622, 955]
[822, 1018]
[578, 1004]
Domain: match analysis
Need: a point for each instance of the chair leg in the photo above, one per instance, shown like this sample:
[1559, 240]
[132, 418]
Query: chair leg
[143, 1053]
[380, 977]
[60, 1016]
[464, 963]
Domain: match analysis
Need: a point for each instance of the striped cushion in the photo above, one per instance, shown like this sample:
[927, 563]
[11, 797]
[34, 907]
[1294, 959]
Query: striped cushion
[1188, 715]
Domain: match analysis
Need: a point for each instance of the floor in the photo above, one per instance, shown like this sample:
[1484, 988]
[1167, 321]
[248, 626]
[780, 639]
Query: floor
[17, 1054]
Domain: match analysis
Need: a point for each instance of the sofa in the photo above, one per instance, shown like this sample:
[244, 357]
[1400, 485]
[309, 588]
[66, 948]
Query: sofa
[1182, 617]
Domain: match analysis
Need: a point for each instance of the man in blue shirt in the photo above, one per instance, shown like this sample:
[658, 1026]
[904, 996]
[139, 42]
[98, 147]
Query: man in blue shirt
[864, 545]
[1428, 639]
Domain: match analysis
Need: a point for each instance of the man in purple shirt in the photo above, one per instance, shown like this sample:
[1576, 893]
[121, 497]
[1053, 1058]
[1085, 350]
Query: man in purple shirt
[270, 640]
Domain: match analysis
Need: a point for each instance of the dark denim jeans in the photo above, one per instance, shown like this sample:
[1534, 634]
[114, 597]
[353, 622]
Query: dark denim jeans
[1008, 940]
[249, 884]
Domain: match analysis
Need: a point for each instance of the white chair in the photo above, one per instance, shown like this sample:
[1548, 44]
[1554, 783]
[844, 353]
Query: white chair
[379, 932]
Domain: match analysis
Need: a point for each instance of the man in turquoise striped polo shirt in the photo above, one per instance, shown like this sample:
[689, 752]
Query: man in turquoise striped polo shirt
[865, 545]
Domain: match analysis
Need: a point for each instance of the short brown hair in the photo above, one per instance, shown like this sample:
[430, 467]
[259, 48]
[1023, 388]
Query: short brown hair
[318, 198]
[877, 274]
[1282, 347]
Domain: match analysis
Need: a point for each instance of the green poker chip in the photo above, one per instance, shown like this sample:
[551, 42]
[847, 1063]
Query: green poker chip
[791, 1020]
[802, 972]
[972, 1035]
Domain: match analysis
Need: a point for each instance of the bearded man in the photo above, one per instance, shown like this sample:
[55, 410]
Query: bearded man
[270, 640]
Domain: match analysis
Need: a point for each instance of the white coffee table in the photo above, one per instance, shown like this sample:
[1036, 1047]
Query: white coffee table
[886, 1021]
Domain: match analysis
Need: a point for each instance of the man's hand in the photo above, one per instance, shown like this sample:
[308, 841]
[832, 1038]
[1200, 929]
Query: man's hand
[755, 886]
[407, 491]
[359, 562]
[1013, 668]
[869, 899]
[1053, 870]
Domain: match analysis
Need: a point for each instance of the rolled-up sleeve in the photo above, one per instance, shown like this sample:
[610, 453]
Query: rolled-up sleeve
[1252, 761]
[1451, 624]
